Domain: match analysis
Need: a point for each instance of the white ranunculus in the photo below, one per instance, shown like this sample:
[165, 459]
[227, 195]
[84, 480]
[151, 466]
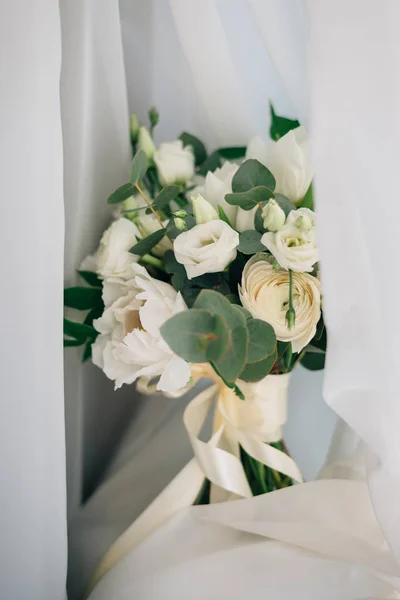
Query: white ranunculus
[206, 248]
[202, 210]
[145, 143]
[174, 162]
[113, 257]
[130, 344]
[288, 160]
[294, 248]
[264, 292]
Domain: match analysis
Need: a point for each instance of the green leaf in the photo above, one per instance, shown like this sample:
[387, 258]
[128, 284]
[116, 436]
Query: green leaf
[122, 193]
[258, 370]
[217, 346]
[210, 164]
[79, 330]
[250, 199]
[91, 278]
[313, 361]
[76, 342]
[234, 358]
[308, 200]
[199, 151]
[243, 311]
[82, 298]
[250, 242]
[280, 126]
[165, 196]
[87, 352]
[172, 230]
[148, 243]
[252, 174]
[232, 152]
[95, 313]
[258, 221]
[285, 204]
[192, 334]
[223, 216]
[262, 340]
[154, 117]
[138, 167]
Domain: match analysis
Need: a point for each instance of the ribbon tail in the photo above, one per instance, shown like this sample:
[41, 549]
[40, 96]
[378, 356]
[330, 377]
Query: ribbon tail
[270, 456]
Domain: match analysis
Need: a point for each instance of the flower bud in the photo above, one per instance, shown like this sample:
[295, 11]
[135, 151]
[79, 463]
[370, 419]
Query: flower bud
[273, 216]
[134, 127]
[180, 213]
[304, 223]
[291, 318]
[145, 143]
[179, 223]
[203, 211]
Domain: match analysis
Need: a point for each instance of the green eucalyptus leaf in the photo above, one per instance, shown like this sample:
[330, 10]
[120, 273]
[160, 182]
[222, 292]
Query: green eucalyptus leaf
[308, 200]
[191, 333]
[250, 242]
[280, 126]
[252, 174]
[232, 152]
[148, 243]
[139, 167]
[91, 278]
[258, 221]
[262, 340]
[199, 150]
[243, 311]
[234, 358]
[165, 196]
[313, 361]
[82, 298]
[122, 193]
[258, 370]
[211, 163]
[285, 204]
[250, 199]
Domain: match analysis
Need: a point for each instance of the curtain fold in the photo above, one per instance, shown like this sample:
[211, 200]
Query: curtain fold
[32, 441]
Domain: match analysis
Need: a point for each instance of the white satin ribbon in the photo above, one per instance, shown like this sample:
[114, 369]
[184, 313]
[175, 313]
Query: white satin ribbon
[252, 423]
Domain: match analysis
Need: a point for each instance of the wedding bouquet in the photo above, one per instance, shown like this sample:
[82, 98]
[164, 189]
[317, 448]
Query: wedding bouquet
[210, 270]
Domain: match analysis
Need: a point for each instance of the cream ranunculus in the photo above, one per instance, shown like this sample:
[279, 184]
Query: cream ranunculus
[265, 294]
[288, 160]
[174, 162]
[294, 246]
[130, 344]
[113, 257]
[206, 248]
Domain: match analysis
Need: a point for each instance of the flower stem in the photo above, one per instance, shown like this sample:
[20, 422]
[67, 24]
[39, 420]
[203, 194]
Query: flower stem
[148, 202]
[147, 259]
[291, 313]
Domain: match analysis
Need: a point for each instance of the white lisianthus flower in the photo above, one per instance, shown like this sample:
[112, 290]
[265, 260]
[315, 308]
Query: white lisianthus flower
[245, 219]
[113, 257]
[146, 224]
[145, 143]
[203, 211]
[294, 248]
[264, 292]
[174, 162]
[288, 160]
[130, 344]
[206, 248]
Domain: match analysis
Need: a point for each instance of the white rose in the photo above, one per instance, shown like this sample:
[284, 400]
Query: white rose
[295, 249]
[288, 160]
[130, 344]
[206, 248]
[265, 294]
[175, 163]
[113, 257]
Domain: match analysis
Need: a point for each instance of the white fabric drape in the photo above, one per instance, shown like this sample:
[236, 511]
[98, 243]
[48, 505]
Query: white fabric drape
[32, 443]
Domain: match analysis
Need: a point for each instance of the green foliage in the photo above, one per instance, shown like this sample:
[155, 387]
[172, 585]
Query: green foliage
[308, 200]
[280, 126]
[148, 243]
[154, 117]
[211, 163]
[195, 335]
[173, 231]
[250, 199]
[167, 194]
[232, 152]
[285, 204]
[259, 221]
[313, 361]
[122, 193]
[82, 298]
[252, 174]
[91, 278]
[199, 151]
[262, 340]
[250, 242]
[258, 370]
[139, 167]
[223, 216]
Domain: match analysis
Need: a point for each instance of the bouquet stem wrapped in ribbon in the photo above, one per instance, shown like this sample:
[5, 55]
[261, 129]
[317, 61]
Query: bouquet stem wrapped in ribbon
[209, 271]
